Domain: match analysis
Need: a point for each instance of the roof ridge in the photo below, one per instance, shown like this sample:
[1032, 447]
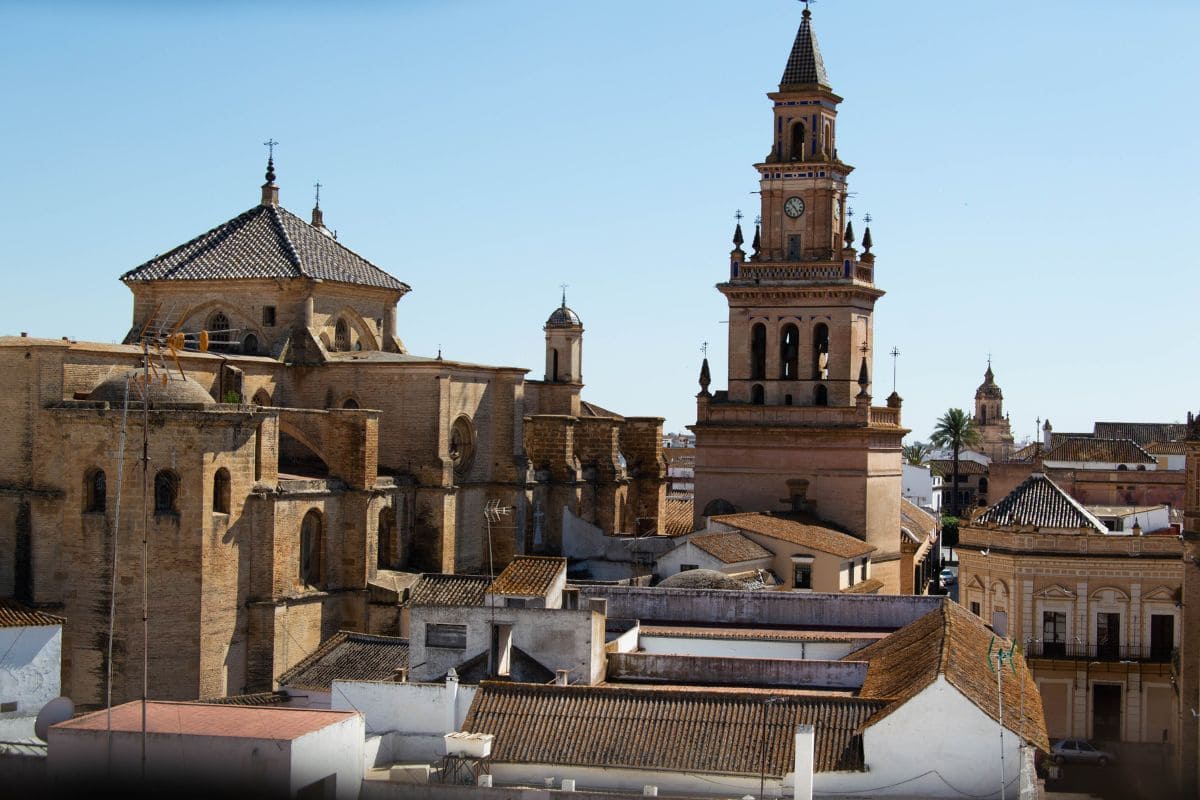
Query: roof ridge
[326, 647]
[239, 219]
[290, 246]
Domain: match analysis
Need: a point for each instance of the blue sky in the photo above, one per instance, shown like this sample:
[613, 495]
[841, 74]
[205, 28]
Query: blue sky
[1031, 170]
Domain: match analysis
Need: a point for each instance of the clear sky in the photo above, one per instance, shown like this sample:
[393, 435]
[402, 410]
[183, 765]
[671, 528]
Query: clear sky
[1031, 169]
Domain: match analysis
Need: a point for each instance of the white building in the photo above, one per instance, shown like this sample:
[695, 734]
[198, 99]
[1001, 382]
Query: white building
[218, 750]
[30, 665]
[922, 487]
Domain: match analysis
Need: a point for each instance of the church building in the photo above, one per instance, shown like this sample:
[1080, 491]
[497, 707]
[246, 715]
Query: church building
[266, 463]
[797, 430]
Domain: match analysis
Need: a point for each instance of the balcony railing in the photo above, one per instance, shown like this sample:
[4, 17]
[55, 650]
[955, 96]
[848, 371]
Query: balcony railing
[1099, 652]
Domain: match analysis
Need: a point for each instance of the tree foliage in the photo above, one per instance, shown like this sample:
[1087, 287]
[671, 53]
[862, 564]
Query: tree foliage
[955, 429]
[915, 453]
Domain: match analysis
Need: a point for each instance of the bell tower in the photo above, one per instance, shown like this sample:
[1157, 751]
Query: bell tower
[798, 411]
[801, 305]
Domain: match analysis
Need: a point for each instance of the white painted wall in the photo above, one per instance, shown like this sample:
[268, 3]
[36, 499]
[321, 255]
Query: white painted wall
[921, 487]
[632, 780]
[958, 755]
[417, 715]
[748, 648]
[333, 750]
[1131, 466]
[223, 763]
[672, 562]
[29, 675]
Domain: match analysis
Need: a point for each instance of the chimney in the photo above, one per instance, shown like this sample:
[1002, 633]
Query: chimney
[1046, 431]
[803, 767]
[562, 677]
[599, 605]
[570, 598]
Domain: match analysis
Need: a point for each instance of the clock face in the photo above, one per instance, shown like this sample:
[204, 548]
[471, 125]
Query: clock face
[794, 207]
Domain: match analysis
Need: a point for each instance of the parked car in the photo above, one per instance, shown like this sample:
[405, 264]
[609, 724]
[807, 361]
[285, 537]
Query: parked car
[1080, 750]
[949, 576]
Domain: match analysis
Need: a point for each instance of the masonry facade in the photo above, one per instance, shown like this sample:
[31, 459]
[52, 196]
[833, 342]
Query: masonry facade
[296, 453]
[796, 430]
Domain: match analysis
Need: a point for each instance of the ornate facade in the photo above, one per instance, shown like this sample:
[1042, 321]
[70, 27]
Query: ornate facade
[796, 430]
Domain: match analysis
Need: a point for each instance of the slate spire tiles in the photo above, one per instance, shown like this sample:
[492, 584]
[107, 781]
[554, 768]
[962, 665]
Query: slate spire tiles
[1038, 501]
[268, 241]
[804, 65]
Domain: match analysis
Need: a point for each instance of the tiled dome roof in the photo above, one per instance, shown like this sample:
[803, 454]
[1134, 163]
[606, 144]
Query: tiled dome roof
[563, 317]
[179, 390]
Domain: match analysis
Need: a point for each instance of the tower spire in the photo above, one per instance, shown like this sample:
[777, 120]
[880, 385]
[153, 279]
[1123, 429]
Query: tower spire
[804, 64]
[270, 192]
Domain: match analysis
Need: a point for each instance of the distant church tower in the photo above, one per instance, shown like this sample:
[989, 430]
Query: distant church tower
[796, 429]
[564, 361]
[994, 428]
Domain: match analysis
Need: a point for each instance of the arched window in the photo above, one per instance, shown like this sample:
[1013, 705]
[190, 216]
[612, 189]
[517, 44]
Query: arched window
[789, 353]
[349, 402]
[983, 485]
[1122, 466]
[821, 352]
[262, 398]
[341, 335]
[95, 490]
[758, 352]
[250, 344]
[462, 445]
[220, 502]
[311, 530]
[798, 138]
[218, 328]
[983, 415]
[756, 394]
[820, 395]
[389, 540]
[166, 492]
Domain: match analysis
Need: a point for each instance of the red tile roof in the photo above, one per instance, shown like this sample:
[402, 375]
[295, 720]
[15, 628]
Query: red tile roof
[730, 548]
[802, 530]
[952, 642]
[436, 589]
[16, 615]
[1103, 450]
[710, 731]
[202, 719]
[1038, 501]
[677, 516]
[529, 576]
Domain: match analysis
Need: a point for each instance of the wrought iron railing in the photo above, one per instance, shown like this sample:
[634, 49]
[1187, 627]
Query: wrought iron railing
[1099, 652]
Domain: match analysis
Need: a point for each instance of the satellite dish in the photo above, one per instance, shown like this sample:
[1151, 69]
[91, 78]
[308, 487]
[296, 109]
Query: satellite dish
[60, 709]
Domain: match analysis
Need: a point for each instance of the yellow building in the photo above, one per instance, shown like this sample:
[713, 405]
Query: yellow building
[1097, 612]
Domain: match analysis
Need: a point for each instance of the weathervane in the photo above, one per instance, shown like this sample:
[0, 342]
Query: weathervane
[317, 186]
[894, 354]
[738, 215]
[270, 145]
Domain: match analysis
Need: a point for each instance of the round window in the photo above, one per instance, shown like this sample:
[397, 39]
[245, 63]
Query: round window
[462, 445]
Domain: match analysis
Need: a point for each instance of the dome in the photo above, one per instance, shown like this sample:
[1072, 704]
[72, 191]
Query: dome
[988, 388]
[563, 317]
[702, 579]
[179, 390]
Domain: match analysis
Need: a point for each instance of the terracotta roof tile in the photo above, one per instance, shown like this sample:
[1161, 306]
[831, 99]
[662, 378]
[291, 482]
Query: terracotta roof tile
[966, 467]
[730, 548]
[919, 520]
[529, 576]
[207, 719]
[1166, 448]
[871, 586]
[1105, 450]
[255, 699]
[952, 642]
[1038, 501]
[264, 242]
[710, 731]
[16, 615]
[799, 529]
[436, 589]
[1141, 432]
[348, 656]
[593, 410]
[677, 516]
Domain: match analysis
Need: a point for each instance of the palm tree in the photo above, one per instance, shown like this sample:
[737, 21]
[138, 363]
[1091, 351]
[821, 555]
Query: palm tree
[915, 453]
[955, 429]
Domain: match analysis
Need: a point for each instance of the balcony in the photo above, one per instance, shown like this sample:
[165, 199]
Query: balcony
[1073, 651]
